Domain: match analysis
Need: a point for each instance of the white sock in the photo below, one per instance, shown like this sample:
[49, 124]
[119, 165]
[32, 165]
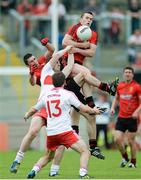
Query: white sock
[82, 172]
[19, 156]
[36, 168]
[54, 169]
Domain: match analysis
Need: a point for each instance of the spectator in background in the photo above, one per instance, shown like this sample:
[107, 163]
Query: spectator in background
[95, 8]
[115, 29]
[106, 25]
[134, 43]
[137, 67]
[62, 22]
[102, 121]
[25, 9]
[134, 11]
[41, 9]
[5, 5]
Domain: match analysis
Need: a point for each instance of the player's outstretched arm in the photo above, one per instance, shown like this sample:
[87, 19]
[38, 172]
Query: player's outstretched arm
[50, 48]
[56, 56]
[31, 112]
[67, 70]
[89, 110]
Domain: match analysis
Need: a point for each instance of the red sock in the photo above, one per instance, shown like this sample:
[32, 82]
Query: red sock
[125, 156]
[133, 160]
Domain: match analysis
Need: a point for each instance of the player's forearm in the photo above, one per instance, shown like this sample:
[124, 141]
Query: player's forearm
[31, 112]
[32, 80]
[115, 102]
[67, 70]
[86, 52]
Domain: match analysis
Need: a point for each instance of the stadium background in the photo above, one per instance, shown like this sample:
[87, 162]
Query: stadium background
[16, 95]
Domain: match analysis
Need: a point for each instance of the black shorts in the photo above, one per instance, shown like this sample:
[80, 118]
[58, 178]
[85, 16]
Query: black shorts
[124, 124]
[71, 85]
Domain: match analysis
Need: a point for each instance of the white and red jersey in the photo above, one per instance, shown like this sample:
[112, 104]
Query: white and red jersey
[46, 79]
[58, 102]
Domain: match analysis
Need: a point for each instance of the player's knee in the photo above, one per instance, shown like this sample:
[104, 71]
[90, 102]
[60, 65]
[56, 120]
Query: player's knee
[33, 133]
[117, 139]
[131, 141]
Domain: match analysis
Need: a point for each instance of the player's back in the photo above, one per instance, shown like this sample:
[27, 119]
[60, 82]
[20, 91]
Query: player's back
[58, 104]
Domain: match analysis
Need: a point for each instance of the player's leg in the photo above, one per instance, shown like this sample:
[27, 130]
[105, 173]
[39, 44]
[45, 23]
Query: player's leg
[82, 149]
[91, 129]
[43, 161]
[132, 130]
[119, 140]
[56, 161]
[91, 123]
[132, 144]
[108, 87]
[36, 123]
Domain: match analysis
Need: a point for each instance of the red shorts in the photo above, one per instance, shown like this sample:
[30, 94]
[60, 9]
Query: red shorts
[43, 114]
[67, 139]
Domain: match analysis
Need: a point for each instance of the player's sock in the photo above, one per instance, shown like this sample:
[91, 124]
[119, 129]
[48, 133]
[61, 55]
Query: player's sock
[92, 143]
[36, 168]
[133, 161]
[75, 128]
[19, 156]
[82, 172]
[54, 170]
[104, 87]
[125, 156]
[90, 101]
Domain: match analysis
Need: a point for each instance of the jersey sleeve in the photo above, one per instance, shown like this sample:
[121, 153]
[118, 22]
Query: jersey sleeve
[39, 104]
[73, 100]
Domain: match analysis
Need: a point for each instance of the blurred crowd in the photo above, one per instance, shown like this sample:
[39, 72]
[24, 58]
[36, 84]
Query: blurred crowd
[110, 13]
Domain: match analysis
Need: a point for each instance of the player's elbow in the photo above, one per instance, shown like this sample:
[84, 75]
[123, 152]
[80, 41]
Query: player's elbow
[91, 54]
[65, 42]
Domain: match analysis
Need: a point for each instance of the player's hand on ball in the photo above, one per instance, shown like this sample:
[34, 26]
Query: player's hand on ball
[44, 41]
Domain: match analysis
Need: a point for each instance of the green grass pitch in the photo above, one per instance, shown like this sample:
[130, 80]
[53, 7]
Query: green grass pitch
[100, 169]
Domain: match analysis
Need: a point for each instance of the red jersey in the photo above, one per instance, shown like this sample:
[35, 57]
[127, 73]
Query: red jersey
[73, 32]
[37, 71]
[128, 94]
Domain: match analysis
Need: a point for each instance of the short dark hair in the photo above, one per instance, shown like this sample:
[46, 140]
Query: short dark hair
[58, 79]
[88, 12]
[26, 57]
[129, 68]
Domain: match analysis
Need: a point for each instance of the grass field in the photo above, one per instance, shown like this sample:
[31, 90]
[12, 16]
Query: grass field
[100, 169]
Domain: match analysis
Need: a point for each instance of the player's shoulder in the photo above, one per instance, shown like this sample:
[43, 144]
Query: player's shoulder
[121, 84]
[135, 83]
[74, 27]
[42, 59]
[67, 93]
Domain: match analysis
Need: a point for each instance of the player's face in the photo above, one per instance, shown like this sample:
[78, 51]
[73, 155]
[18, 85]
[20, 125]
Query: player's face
[32, 61]
[57, 66]
[86, 19]
[128, 75]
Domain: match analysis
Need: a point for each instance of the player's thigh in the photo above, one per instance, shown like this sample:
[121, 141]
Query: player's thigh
[79, 79]
[36, 123]
[79, 69]
[75, 117]
[80, 146]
